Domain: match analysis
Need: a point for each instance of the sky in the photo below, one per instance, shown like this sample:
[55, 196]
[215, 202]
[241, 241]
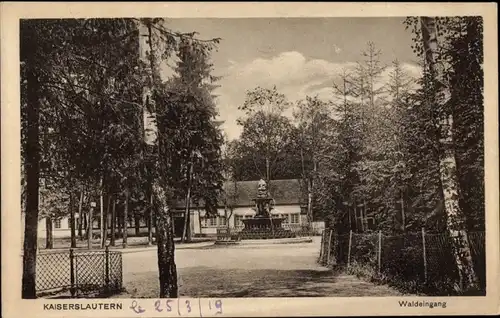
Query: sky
[301, 56]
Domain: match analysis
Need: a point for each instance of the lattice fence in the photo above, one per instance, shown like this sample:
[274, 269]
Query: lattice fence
[79, 272]
[53, 271]
[413, 259]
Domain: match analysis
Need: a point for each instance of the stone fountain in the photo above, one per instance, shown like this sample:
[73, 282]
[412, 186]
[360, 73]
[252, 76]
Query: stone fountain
[263, 225]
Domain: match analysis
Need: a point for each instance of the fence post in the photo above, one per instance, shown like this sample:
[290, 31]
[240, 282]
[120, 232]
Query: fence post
[329, 247]
[72, 272]
[106, 253]
[379, 254]
[323, 256]
[349, 250]
[424, 254]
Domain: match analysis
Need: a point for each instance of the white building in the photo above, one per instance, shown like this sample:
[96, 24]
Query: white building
[288, 203]
[239, 195]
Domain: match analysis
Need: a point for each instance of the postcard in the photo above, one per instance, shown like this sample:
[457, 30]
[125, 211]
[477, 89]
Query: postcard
[249, 159]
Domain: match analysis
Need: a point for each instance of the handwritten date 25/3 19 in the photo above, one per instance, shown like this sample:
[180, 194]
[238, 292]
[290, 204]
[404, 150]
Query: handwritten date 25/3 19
[182, 306]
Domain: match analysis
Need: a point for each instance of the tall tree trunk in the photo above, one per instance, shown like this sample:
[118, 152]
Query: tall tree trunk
[164, 223]
[32, 166]
[302, 164]
[113, 222]
[86, 224]
[189, 232]
[90, 226]
[309, 200]
[49, 239]
[311, 192]
[150, 220]
[148, 124]
[365, 217]
[308, 181]
[361, 218]
[349, 215]
[225, 215]
[101, 208]
[165, 242]
[268, 171]
[187, 227]
[125, 217]
[106, 218]
[403, 216]
[72, 220]
[355, 210]
[119, 217]
[137, 223]
[80, 216]
[456, 219]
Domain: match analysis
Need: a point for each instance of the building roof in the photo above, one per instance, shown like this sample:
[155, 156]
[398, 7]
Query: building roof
[282, 191]
[242, 193]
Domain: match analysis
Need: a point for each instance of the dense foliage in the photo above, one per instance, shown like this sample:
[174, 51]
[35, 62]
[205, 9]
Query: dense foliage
[91, 120]
[83, 129]
[372, 151]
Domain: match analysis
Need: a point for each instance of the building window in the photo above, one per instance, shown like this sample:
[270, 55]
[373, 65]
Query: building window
[57, 223]
[222, 221]
[211, 221]
[238, 220]
[294, 218]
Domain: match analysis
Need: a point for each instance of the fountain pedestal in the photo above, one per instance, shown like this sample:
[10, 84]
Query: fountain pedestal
[264, 227]
[263, 223]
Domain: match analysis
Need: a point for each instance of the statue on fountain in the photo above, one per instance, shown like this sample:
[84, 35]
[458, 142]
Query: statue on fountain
[263, 200]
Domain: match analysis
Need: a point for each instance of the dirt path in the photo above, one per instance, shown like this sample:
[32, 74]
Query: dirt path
[271, 271]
